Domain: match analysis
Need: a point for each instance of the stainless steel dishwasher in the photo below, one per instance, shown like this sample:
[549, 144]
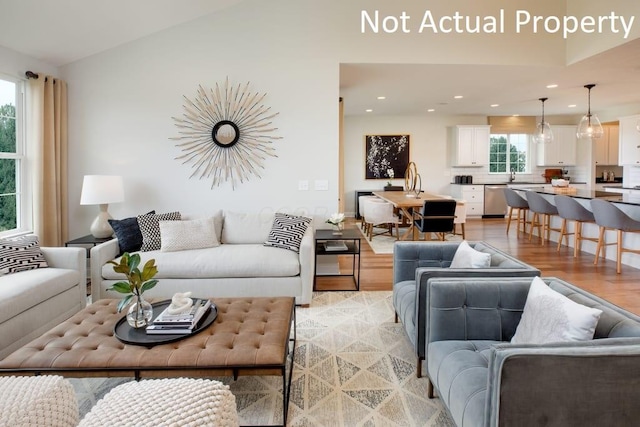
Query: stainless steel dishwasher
[495, 205]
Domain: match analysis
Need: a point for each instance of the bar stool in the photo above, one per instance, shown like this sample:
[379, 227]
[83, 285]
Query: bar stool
[572, 210]
[520, 205]
[608, 216]
[541, 206]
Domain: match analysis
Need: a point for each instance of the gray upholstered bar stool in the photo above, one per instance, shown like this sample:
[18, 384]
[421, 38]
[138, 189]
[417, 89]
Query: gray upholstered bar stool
[609, 217]
[520, 205]
[541, 206]
[570, 209]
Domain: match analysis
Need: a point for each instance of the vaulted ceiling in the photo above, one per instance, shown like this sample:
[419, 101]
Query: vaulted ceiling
[64, 31]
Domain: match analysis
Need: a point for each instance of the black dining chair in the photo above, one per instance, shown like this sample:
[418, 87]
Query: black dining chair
[436, 216]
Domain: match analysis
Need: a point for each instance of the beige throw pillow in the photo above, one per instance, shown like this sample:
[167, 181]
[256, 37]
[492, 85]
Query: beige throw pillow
[185, 235]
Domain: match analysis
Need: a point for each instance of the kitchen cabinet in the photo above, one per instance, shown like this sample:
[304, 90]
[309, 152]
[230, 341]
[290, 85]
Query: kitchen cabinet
[470, 145]
[629, 141]
[606, 148]
[473, 195]
[560, 152]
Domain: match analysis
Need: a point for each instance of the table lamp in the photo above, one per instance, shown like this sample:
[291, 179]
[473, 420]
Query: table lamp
[102, 190]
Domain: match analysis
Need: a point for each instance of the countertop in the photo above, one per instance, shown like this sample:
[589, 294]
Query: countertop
[628, 199]
[515, 183]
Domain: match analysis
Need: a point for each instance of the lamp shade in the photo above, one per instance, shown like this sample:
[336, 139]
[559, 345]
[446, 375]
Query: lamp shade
[102, 189]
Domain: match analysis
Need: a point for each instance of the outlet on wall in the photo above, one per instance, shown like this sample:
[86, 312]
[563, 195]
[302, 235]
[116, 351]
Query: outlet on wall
[303, 185]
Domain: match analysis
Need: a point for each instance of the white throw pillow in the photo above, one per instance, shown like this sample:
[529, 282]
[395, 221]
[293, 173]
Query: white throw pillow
[467, 257]
[549, 316]
[246, 228]
[185, 235]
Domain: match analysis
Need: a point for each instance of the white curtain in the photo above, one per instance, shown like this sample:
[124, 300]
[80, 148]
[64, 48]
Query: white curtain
[47, 156]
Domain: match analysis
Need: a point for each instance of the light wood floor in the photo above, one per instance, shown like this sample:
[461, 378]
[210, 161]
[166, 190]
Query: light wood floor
[621, 289]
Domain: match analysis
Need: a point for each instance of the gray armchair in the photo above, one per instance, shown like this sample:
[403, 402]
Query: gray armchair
[416, 262]
[483, 380]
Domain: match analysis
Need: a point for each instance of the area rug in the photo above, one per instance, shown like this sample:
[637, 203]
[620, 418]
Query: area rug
[353, 366]
[383, 244]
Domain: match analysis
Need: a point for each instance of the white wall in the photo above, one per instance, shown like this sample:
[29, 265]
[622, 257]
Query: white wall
[121, 101]
[15, 64]
[428, 148]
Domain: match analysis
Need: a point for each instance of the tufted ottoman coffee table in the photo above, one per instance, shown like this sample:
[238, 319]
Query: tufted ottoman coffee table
[251, 336]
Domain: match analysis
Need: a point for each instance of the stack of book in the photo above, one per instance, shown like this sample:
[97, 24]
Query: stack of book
[182, 323]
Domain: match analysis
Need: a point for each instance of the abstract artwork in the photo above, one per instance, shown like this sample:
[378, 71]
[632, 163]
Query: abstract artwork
[384, 152]
[225, 134]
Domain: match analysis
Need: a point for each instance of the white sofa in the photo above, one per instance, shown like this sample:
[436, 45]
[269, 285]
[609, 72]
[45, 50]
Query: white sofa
[241, 266]
[34, 301]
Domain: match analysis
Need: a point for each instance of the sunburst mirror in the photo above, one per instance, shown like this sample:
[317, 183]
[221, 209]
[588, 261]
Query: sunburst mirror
[225, 134]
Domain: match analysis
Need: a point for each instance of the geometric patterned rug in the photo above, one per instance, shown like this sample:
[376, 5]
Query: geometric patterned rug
[353, 366]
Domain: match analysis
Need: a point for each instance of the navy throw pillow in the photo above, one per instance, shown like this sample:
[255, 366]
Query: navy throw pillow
[128, 233]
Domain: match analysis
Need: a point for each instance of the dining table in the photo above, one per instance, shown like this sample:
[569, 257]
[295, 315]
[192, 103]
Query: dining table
[406, 202]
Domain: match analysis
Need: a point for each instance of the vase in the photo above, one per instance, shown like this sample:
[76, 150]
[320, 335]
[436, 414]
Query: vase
[140, 313]
[338, 228]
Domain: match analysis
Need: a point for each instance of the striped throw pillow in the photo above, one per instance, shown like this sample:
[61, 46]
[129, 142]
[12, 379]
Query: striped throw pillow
[287, 231]
[20, 254]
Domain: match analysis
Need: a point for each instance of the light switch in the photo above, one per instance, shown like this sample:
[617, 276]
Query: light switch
[321, 185]
[303, 185]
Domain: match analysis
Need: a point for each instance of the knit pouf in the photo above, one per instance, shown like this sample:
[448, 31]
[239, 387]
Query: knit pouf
[47, 400]
[165, 402]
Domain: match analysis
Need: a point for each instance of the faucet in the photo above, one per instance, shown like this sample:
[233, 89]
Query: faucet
[512, 177]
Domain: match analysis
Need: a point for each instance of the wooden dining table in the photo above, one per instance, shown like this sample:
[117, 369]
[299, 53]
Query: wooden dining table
[405, 202]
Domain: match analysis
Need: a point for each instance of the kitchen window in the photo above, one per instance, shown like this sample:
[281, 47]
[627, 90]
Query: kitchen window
[13, 216]
[509, 152]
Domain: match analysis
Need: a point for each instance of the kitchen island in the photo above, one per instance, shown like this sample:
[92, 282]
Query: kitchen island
[628, 203]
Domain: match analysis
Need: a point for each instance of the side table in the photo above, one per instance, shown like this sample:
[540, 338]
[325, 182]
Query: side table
[351, 239]
[88, 242]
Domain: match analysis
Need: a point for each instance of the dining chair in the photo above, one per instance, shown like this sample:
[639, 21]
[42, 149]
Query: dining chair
[436, 216]
[460, 216]
[361, 207]
[380, 214]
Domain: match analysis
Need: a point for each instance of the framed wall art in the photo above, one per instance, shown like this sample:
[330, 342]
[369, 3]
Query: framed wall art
[384, 152]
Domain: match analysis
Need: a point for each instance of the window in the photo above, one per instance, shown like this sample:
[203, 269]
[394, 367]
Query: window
[11, 156]
[509, 152]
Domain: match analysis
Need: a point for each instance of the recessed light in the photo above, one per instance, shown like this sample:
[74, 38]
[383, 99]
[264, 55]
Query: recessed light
[458, 97]
[571, 105]
[382, 97]
[431, 110]
[552, 86]
[495, 105]
[369, 110]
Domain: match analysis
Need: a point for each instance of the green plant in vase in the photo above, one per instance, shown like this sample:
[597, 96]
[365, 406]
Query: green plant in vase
[140, 312]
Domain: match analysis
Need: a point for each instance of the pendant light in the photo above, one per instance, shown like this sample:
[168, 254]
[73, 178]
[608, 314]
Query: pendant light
[590, 126]
[543, 133]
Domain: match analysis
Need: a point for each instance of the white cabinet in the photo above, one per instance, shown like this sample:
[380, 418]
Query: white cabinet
[606, 148]
[560, 152]
[629, 141]
[473, 195]
[470, 145]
